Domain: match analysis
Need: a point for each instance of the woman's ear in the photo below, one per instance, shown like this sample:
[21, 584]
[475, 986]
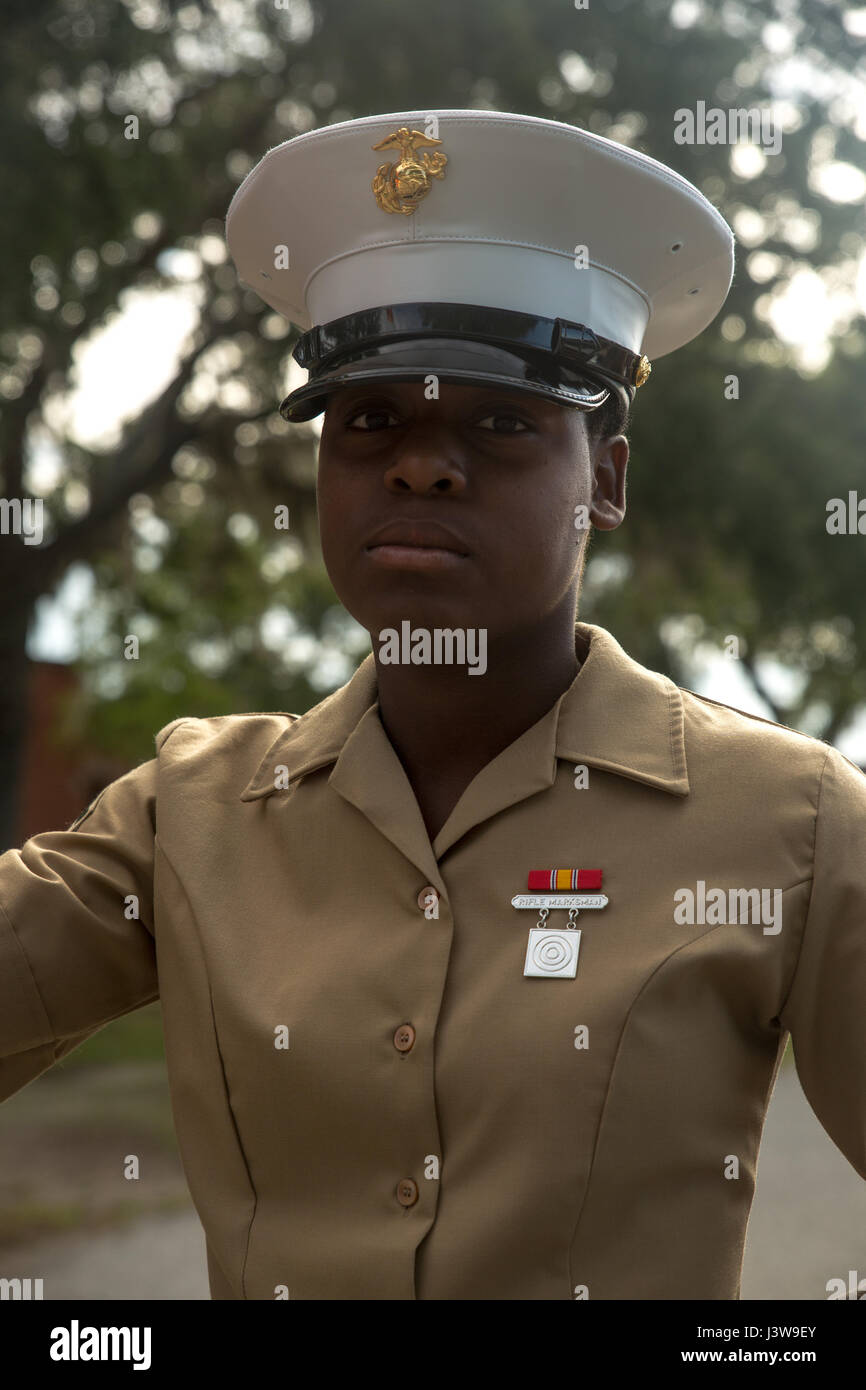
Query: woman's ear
[609, 464]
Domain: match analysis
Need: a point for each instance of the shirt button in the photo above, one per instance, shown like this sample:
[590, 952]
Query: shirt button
[428, 898]
[407, 1192]
[404, 1037]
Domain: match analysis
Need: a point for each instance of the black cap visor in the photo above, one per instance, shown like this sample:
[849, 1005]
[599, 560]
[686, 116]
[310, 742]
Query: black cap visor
[453, 360]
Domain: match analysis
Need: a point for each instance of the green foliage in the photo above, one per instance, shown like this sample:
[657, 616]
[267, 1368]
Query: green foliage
[136, 1037]
[727, 512]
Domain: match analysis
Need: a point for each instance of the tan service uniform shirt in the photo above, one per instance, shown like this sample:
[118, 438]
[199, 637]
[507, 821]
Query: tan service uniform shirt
[436, 1128]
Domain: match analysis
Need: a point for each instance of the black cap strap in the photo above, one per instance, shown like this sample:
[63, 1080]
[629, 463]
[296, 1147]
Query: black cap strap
[323, 347]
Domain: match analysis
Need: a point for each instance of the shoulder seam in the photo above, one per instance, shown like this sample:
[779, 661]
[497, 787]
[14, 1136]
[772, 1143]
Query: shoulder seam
[759, 718]
[163, 735]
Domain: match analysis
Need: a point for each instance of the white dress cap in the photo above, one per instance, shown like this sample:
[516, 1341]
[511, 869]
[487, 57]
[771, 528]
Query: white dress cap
[482, 208]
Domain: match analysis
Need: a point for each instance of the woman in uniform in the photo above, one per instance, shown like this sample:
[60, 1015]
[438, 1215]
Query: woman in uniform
[477, 976]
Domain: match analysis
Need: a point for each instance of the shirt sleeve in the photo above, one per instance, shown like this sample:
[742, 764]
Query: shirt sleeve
[76, 927]
[825, 1011]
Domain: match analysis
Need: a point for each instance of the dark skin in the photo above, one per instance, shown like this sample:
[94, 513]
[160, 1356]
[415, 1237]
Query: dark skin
[503, 470]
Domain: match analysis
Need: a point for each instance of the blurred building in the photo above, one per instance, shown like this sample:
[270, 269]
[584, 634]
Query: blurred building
[56, 782]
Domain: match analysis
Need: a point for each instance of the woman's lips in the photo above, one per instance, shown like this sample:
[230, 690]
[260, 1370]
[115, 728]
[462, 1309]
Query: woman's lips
[414, 557]
[412, 544]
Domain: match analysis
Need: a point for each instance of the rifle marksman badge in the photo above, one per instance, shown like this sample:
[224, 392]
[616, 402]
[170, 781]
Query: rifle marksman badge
[400, 187]
[552, 951]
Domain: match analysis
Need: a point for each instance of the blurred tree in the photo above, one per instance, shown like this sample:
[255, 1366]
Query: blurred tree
[174, 510]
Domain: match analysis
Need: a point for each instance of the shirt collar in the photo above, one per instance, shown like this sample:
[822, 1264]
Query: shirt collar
[616, 715]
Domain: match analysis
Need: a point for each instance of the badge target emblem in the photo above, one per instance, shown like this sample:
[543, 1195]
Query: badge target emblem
[552, 953]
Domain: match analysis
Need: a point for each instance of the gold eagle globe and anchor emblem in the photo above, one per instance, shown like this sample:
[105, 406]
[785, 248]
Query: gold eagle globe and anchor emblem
[399, 187]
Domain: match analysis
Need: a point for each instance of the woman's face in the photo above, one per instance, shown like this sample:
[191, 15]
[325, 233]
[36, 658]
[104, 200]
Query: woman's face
[478, 490]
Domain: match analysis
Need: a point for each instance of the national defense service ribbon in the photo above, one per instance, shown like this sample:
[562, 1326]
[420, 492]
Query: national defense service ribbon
[564, 880]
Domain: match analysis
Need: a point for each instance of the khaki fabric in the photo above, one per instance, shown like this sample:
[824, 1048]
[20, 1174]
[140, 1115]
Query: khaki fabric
[568, 1137]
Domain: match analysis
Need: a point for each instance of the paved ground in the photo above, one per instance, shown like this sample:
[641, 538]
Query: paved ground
[808, 1225]
[158, 1257]
[808, 1221]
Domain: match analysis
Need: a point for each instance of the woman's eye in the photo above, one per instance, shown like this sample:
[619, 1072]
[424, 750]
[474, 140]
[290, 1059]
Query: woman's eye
[376, 419]
[512, 424]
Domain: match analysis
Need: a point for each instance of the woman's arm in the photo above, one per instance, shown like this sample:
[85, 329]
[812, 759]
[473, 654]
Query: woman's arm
[826, 1006]
[76, 927]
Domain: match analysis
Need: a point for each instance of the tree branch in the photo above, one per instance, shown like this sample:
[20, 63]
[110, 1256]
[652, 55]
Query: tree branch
[133, 468]
[779, 714]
